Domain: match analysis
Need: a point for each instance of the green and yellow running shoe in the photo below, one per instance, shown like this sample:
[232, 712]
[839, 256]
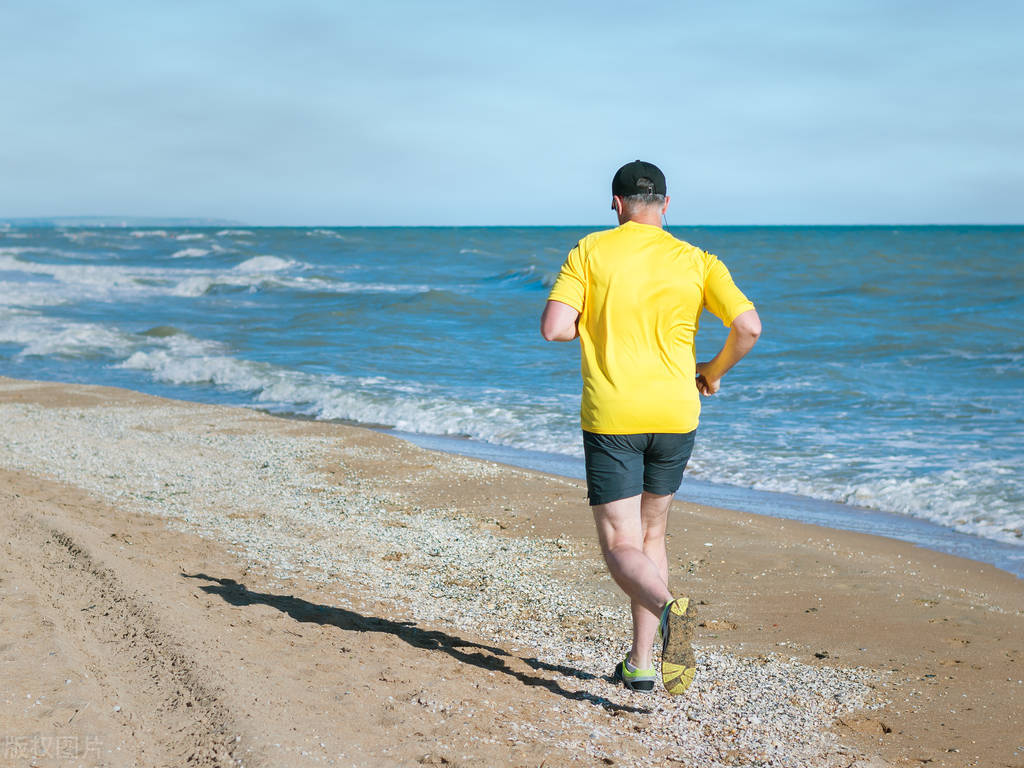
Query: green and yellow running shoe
[638, 680]
[678, 665]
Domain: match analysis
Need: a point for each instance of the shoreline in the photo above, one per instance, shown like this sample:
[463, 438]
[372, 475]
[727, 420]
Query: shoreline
[307, 574]
[1005, 553]
[783, 506]
[833, 515]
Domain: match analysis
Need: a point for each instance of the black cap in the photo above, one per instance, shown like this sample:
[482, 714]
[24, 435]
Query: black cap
[638, 178]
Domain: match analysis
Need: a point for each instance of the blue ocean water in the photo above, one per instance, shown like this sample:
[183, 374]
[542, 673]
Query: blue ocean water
[889, 376]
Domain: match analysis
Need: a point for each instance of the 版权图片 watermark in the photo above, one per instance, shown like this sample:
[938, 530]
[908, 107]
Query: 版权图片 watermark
[38, 745]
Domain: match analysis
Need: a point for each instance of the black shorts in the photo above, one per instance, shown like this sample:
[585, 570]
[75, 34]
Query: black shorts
[620, 466]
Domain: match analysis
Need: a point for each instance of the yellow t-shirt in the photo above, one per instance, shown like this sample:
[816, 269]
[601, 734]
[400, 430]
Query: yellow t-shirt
[640, 292]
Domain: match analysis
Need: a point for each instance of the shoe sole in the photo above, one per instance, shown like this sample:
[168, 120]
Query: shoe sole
[678, 664]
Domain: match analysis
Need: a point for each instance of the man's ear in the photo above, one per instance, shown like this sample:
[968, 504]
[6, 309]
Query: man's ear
[665, 206]
[617, 204]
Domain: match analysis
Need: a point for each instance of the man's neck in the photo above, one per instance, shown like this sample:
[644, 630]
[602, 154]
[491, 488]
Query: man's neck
[653, 220]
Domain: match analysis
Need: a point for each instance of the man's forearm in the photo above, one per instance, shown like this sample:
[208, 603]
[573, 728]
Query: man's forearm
[742, 336]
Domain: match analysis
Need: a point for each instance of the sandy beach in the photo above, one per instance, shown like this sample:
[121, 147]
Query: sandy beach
[188, 584]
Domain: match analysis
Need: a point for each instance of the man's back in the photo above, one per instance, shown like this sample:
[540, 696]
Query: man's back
[640, 292]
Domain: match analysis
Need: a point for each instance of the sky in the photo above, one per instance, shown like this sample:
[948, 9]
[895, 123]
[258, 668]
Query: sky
[485, 113]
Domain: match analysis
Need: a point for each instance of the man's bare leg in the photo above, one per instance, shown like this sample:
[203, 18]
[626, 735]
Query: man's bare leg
[654, 521]
[632, 537]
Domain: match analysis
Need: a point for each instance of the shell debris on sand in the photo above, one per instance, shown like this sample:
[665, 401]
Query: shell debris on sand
[250, 481]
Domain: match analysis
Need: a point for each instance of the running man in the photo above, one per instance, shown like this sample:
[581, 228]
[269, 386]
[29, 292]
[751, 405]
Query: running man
[633, 296]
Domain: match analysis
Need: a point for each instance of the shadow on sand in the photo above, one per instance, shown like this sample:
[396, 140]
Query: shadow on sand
[483, 656]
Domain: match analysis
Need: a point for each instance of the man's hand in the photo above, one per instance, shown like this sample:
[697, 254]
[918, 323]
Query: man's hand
[706, 386]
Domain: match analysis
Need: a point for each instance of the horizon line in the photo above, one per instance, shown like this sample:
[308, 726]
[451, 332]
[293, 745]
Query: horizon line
[125, 222]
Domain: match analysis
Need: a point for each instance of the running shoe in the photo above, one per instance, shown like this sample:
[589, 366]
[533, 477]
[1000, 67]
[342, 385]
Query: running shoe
[678, 665]
[640, 680]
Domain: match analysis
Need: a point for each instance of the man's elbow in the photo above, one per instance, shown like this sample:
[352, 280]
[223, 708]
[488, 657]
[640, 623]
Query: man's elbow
[749, 325]
[554, 334]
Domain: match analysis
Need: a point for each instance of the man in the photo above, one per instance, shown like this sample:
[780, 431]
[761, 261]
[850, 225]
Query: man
[633, 296]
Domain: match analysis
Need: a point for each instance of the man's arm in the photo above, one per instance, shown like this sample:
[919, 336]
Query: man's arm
[742, 337]
[558, 323]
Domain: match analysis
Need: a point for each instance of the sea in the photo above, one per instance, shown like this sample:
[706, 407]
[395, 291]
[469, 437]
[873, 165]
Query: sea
[886, 393]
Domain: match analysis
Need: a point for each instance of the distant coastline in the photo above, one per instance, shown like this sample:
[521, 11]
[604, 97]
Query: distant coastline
[116, 221]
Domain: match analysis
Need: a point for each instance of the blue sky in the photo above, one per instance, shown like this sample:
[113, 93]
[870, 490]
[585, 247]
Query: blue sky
[447, 112]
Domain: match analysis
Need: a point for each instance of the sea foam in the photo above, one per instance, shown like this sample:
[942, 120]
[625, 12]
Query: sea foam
[38, 335]
[189, 253]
